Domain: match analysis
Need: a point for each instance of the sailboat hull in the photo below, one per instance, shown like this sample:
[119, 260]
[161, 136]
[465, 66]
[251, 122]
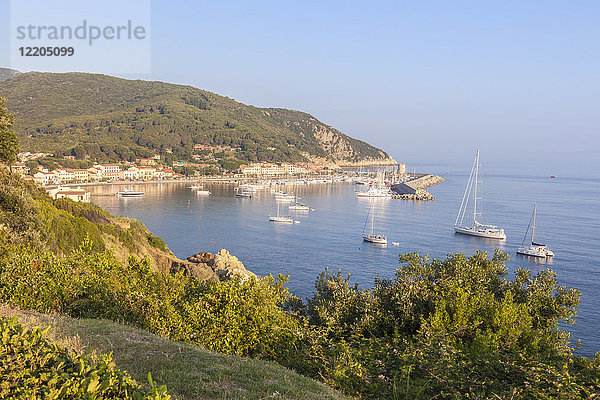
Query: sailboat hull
[497, 234]
[283, 220]
[535, 252]
[375, 239]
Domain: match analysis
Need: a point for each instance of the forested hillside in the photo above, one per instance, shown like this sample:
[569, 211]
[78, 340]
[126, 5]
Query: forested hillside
[107, 118]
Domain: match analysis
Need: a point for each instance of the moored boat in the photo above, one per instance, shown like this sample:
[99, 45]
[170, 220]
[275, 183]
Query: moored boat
[535, 249]
[299, 207]
[281, 218]
[130, 193]
[477, 229]
[373, 237]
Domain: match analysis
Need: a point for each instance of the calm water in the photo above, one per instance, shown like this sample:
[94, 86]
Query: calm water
[568, 219]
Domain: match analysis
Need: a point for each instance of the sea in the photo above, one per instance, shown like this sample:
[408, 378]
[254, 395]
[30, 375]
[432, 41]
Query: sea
[329, 235]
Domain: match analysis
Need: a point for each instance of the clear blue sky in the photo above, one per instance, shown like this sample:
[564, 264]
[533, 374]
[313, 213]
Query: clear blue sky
[426, 81]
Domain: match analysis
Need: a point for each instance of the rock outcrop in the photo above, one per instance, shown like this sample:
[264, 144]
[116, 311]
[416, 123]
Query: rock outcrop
[224, 265]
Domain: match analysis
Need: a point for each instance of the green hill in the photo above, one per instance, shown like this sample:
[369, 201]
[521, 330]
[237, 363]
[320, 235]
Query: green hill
[107, 118]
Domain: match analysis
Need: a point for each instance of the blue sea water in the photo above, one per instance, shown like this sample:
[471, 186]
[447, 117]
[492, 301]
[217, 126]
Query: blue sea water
[568, 220]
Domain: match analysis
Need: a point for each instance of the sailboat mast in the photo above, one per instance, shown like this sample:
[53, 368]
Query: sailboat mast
[372, 215]
[475, 191]
[533, 225]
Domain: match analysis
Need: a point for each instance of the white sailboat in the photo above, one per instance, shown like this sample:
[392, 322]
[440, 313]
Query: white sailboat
[477, 229]
[281, 218]
[298, 207]
[535, 249]
[372, 237]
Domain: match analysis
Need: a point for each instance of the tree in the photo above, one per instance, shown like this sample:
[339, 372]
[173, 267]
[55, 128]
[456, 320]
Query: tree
[9, 144]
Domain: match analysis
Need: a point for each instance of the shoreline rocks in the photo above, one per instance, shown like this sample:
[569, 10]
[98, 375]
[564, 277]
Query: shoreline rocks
[223, 264]
[207, 266]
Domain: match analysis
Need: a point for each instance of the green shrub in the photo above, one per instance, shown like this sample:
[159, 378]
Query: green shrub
[233, 317]
[33, 368]
[157, 242]
[451, 328]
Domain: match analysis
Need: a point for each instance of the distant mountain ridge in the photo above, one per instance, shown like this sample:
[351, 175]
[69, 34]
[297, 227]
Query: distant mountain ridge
[6, 73]
[88, 115]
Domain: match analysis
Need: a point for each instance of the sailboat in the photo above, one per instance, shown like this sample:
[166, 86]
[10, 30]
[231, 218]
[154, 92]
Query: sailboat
[298, 207]
[535, 249]
[378, 189]
[477, 229]
[372, 237]
[281, 218]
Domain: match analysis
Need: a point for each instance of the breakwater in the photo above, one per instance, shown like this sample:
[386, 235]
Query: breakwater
[414, 189]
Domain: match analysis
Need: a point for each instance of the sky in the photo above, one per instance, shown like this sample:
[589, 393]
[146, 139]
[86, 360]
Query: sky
[428, 82]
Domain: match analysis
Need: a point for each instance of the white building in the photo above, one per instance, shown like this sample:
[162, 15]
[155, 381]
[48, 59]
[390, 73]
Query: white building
[147, 173]
[45, 178]
[81, 175]
[272, 169]
[64, 175]
[109, 171]
[94, 174]
[77, 194]
[131, 174]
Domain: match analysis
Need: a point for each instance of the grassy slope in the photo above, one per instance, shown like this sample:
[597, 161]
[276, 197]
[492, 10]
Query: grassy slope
[56, 112]
[188, 372]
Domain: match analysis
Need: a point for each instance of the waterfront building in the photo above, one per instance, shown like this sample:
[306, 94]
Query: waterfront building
[109, 171]
[45, 178]
[77, 194]
[166, 172]
[271, 169]
[146, 173]
[81, 175]
[131, 174]
[94, 174]
[64, 175]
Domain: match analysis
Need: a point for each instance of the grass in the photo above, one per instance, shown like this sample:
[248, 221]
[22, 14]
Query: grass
[188, 372]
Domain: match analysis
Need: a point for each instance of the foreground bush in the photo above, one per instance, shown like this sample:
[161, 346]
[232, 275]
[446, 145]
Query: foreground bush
[33, 368]
[234, 317]
[453, 328]
[450, 328]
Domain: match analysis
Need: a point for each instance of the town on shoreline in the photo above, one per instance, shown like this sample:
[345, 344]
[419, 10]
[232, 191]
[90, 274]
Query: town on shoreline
[69, 182]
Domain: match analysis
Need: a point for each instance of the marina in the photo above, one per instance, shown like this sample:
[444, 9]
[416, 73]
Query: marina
[330, 236]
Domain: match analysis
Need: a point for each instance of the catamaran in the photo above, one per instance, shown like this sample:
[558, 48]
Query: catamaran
[477, 229]
[281, 218]
[535, 249]
[373, 237]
